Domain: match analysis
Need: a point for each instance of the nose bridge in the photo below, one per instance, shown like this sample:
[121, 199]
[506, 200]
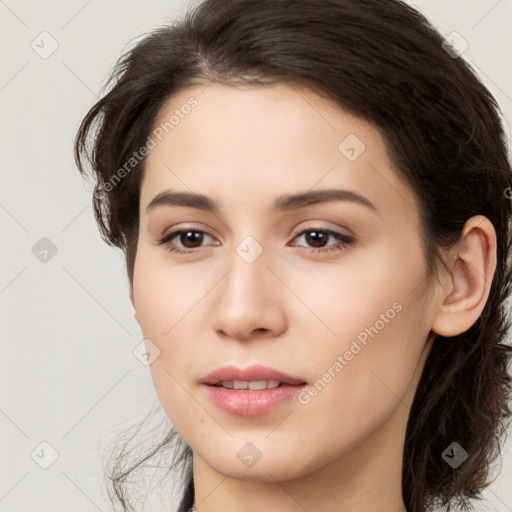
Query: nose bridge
[247, 281]
[247, 300]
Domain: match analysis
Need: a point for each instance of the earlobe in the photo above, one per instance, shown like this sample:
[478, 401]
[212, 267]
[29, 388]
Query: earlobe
[469, 281]
[132, 301]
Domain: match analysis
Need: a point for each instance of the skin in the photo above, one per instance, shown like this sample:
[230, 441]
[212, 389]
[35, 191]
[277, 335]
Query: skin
[293, 309]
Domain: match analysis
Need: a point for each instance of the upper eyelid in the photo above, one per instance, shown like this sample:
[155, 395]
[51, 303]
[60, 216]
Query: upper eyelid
[176, 232]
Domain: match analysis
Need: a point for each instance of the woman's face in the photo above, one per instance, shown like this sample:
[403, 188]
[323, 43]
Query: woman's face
[328, 289]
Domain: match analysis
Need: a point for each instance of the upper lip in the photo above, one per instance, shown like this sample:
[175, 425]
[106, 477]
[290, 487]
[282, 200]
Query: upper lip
[251, 373]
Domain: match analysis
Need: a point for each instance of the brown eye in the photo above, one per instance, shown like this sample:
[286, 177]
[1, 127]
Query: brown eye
[184, 240]
[319, 238]
[189, 238]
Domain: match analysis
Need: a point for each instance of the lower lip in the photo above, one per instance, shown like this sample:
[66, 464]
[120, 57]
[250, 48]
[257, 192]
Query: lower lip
[251, 403]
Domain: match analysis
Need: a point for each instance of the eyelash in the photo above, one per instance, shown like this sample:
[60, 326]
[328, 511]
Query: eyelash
[344, 240]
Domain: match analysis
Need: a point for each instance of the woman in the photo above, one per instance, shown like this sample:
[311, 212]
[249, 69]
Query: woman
[312, 196]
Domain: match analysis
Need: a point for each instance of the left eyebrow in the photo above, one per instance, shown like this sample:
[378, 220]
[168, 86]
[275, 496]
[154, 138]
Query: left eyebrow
[281, 204]
[303, 199]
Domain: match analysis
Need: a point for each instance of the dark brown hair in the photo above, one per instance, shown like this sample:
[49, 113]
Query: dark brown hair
[384, 62]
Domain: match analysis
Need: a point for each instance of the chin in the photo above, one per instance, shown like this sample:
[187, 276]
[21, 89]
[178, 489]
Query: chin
[243, 461]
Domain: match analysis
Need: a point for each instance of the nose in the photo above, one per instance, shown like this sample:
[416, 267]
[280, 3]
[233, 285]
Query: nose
[249, 301]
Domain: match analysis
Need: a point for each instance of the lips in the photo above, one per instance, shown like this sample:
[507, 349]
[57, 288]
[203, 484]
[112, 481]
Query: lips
[252, 373]
[252, 391]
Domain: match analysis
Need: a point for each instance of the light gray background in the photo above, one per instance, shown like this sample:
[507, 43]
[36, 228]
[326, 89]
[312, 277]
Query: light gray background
[68, 373]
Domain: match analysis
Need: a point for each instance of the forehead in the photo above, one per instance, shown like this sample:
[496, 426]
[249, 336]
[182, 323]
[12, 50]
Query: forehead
[261, 140]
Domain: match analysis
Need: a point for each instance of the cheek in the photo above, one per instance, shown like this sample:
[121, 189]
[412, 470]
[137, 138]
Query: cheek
[379, 325]
[376, 295]
[361, 381]
[168, 308]
[380, 341]
[164, 294]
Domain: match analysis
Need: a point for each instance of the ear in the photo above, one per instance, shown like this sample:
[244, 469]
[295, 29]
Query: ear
[468, 282]
[132, 300]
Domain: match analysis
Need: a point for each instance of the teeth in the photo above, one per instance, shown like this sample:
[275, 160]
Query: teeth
[251, 384]
[263, 384]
